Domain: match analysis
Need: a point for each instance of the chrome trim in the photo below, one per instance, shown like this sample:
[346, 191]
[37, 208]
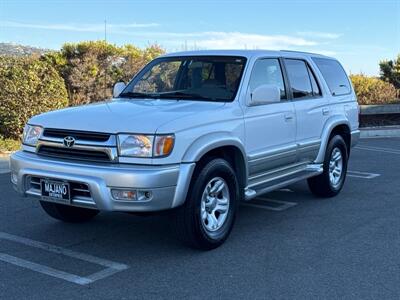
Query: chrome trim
[111, 142]
[111, 152]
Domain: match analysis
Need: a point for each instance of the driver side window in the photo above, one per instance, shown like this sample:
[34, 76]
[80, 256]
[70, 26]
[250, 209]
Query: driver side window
[267, 71]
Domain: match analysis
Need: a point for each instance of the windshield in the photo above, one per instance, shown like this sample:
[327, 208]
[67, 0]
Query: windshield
[201, 78]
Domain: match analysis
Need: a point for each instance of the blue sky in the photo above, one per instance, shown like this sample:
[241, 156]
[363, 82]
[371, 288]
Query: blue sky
[359, 33]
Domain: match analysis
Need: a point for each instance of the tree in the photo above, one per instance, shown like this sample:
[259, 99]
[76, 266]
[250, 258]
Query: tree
[390, 71]
[91, 68]
[29, 86]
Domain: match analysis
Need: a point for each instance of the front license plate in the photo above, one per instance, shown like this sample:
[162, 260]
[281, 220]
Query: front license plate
[56, 191]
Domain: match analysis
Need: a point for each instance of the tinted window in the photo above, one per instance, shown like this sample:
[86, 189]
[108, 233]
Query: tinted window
[334, 76]
[267, 71]
[314, 83]
[299, 78]
[200, 78]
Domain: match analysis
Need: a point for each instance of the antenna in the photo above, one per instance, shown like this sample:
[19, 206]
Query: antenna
[105, 30]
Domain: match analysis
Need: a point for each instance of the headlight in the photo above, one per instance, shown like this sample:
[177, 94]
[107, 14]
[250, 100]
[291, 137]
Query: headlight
[136, 145]
[31, 135]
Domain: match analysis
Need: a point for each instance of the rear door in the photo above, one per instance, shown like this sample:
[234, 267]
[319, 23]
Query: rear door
[312, 109]
[270, 128]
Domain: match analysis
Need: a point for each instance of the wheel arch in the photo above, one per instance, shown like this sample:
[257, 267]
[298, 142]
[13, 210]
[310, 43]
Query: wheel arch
[335, 125]
[220, 145]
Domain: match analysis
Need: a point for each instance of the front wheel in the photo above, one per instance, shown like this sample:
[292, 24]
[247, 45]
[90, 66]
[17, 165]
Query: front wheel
[206, 218]
[331, 181]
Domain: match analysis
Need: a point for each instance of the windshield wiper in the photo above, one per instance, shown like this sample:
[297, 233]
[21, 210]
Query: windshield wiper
[137, 95]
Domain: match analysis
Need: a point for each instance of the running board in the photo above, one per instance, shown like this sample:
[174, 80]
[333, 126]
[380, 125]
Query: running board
[281, 181]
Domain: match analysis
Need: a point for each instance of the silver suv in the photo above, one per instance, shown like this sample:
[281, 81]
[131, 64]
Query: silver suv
[195, 132]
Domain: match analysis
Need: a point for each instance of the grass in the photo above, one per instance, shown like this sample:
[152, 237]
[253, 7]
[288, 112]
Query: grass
[9, 144]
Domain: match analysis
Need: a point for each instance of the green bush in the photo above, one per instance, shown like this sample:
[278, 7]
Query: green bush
[9, 145]
[371, 90]
[28, 86]
[91, 68]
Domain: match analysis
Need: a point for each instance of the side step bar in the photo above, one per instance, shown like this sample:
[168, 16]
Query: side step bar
[282, 181]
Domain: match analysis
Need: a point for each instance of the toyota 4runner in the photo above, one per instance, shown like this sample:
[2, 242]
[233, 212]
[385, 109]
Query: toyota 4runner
[195, 132]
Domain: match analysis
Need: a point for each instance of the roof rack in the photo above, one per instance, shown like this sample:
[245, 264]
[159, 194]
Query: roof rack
[304, 52]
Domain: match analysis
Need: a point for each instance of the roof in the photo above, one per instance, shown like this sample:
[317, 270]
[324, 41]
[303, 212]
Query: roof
[245, 53]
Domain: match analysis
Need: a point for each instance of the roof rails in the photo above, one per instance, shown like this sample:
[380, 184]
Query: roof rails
[300, 52]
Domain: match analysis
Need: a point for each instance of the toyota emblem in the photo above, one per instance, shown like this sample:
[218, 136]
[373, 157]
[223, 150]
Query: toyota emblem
[69, 141]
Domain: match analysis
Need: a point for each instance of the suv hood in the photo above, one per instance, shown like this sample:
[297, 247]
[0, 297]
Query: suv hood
[136, 116]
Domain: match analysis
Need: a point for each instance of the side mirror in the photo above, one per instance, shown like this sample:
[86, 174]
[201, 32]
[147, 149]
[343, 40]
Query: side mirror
[118, 88]
[264, 94]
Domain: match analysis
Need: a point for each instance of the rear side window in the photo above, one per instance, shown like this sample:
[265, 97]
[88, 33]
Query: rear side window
[334, 76]
[299, 78]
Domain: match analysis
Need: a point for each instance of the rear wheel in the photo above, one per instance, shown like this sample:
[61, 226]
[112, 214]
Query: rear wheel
[331, 181]
[70, 214]
[206, 218]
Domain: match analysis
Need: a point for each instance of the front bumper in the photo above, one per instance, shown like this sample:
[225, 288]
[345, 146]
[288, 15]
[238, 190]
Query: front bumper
[168, 184]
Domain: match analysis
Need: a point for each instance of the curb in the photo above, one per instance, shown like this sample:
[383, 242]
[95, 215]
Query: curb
[5, 154]
[384, 131]
[379, 109]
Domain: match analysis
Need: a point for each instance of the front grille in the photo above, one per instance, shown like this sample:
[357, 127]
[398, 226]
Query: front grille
[72, 153]
[78, 190]
[78, 135]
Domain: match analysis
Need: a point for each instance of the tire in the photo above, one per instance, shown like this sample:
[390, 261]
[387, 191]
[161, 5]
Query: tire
[324, 185]
[69, 214]
[201, 222]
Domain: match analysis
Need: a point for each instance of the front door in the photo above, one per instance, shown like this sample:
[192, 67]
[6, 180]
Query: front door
[270, 128]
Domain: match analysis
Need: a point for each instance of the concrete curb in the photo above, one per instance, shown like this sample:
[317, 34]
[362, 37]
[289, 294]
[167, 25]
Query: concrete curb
[5, 154]
[380, 109]
[383, 131]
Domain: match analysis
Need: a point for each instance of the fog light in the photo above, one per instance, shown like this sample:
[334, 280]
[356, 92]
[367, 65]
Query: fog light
[124, 194]
[144, 195]
[14, 178]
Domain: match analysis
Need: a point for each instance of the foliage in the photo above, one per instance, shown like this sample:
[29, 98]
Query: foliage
[28, 86]
[9, 145]
[390, 71]
[91, 68]
[371, 90]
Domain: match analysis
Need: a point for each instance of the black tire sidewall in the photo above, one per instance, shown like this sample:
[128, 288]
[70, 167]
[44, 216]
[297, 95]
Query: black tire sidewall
[214, 168]
[336, 142]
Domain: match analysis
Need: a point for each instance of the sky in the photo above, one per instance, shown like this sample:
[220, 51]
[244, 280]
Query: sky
[358, 33]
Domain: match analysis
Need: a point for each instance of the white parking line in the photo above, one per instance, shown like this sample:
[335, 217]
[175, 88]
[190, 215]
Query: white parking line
[284, 204]
[364, 175]
[110, 266]
[379, 149]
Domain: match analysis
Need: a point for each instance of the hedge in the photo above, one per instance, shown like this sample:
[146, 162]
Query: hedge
[371, 90]
[85, 72]
[28, 86]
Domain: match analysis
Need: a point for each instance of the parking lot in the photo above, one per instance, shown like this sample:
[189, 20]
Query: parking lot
[287, 244]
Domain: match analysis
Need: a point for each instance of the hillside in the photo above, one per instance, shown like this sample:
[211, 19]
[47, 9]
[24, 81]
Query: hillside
[19, 50]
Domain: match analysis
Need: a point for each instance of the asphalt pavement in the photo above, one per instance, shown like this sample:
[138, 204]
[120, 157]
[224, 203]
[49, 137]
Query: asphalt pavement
[287, 244]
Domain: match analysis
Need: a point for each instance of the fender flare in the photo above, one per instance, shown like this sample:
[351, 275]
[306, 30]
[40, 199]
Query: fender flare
[208, 142]
[330, 124]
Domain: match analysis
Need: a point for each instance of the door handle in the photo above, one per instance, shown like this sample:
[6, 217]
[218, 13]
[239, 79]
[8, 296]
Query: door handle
[288, 117]
[325, 111]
